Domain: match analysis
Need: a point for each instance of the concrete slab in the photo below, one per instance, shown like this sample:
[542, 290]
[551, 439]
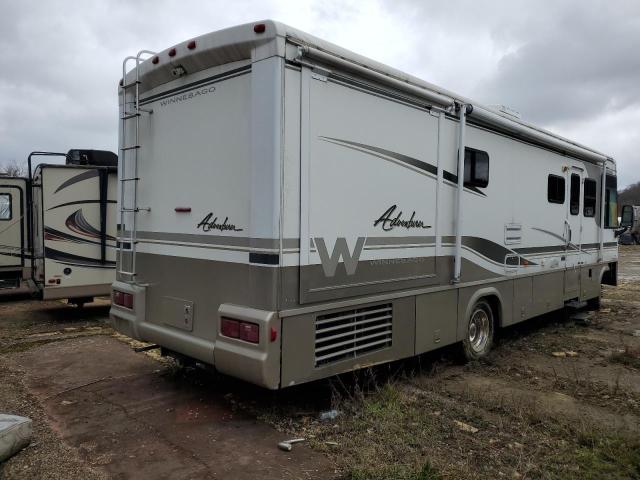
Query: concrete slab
[123, 413]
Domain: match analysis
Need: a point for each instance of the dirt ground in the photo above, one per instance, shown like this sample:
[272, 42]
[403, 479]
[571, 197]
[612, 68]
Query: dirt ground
[559, 397]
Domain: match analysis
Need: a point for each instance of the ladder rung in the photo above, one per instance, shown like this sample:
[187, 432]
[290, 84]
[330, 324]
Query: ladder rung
[132, 84]
[129, 179]
[132, 147]
[130, 115]
[124, 272]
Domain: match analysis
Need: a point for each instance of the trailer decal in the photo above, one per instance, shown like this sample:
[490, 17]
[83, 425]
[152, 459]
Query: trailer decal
[431, 170]
[388, 223]
[77, 202]
[76, 260]
[77, 223]
[78, 178]
[207, 224]
[56, 235]
[340, 249]
[200, 83]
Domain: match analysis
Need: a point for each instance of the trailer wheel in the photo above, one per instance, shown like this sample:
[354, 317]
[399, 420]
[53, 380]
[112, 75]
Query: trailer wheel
[480, 327]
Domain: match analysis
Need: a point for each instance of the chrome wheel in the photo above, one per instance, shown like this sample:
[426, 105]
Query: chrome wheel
[480, 328]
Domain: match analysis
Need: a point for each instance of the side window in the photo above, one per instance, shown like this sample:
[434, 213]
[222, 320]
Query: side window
[590, 196]
[555, 189]
[5, 206]
[574, 199]
[627, 216]
[611, 202]
[476, 168]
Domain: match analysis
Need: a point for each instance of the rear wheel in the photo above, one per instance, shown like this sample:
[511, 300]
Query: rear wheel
[480, 328]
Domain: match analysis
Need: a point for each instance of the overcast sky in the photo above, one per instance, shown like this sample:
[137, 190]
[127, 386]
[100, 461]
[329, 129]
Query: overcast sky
[571, 66]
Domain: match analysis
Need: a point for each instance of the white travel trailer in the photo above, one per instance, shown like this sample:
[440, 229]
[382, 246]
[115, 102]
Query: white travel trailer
[58, 228]
[292, 210]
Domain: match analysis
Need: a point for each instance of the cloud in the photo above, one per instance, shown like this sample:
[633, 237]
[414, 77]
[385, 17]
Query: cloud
[569, 66]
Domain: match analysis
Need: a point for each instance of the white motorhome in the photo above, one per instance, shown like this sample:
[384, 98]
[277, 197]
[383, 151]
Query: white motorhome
[292, 210]
[58, 228]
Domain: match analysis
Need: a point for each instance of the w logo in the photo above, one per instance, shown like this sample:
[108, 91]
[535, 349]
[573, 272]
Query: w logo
[340, 250]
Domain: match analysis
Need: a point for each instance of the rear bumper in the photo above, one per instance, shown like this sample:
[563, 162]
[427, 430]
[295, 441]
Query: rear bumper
[254, 363]
[128, 321]
[54, 292]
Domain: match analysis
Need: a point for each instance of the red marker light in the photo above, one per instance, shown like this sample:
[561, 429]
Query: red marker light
[155, 60]
[182, 209]
[191, 45]
[259, 27]
[274, 334]
[172, 52]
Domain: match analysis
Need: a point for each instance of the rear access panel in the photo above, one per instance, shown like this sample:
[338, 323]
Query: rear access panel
[178, 313]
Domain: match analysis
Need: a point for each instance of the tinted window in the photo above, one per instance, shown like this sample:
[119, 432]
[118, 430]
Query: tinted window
[590, 196]
[555, 189]
[5, 206]
[574, 200]
[611, 202]
[627, 216]
[476, 168]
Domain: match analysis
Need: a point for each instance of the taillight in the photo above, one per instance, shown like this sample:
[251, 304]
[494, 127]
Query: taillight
[123, 299]
[230, 328]
[247, 331]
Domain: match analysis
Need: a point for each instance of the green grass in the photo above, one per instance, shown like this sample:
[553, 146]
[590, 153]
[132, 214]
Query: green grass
[395, 472]
[614, 457]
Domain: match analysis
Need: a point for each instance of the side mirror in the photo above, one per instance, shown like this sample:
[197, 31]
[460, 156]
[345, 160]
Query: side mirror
[627, 216]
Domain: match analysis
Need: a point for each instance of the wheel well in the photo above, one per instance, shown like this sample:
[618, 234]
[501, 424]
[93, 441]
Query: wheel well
[496, 308]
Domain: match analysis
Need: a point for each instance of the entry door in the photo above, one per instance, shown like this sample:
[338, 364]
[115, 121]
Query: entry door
[573, 231]
[11, 226]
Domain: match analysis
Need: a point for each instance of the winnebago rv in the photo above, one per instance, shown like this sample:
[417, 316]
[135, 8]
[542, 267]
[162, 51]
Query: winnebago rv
[292, 210]
[58, 228]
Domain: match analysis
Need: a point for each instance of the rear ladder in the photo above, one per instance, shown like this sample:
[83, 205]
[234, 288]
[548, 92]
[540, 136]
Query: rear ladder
[129, 238]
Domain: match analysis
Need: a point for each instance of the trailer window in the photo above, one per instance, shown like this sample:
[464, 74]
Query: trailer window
[590, 196]
[574, 199]
[555, 189]
[611, 202]
[5, 206]
[476, 168]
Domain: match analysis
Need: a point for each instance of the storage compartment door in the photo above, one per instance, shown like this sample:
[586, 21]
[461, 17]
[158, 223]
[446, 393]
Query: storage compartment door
[368, 191]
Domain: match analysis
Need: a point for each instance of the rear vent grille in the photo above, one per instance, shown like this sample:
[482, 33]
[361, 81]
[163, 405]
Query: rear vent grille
[352, 333]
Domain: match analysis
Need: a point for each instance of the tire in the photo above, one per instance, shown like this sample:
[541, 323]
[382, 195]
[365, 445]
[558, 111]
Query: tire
[478, 338]
[593, 303]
